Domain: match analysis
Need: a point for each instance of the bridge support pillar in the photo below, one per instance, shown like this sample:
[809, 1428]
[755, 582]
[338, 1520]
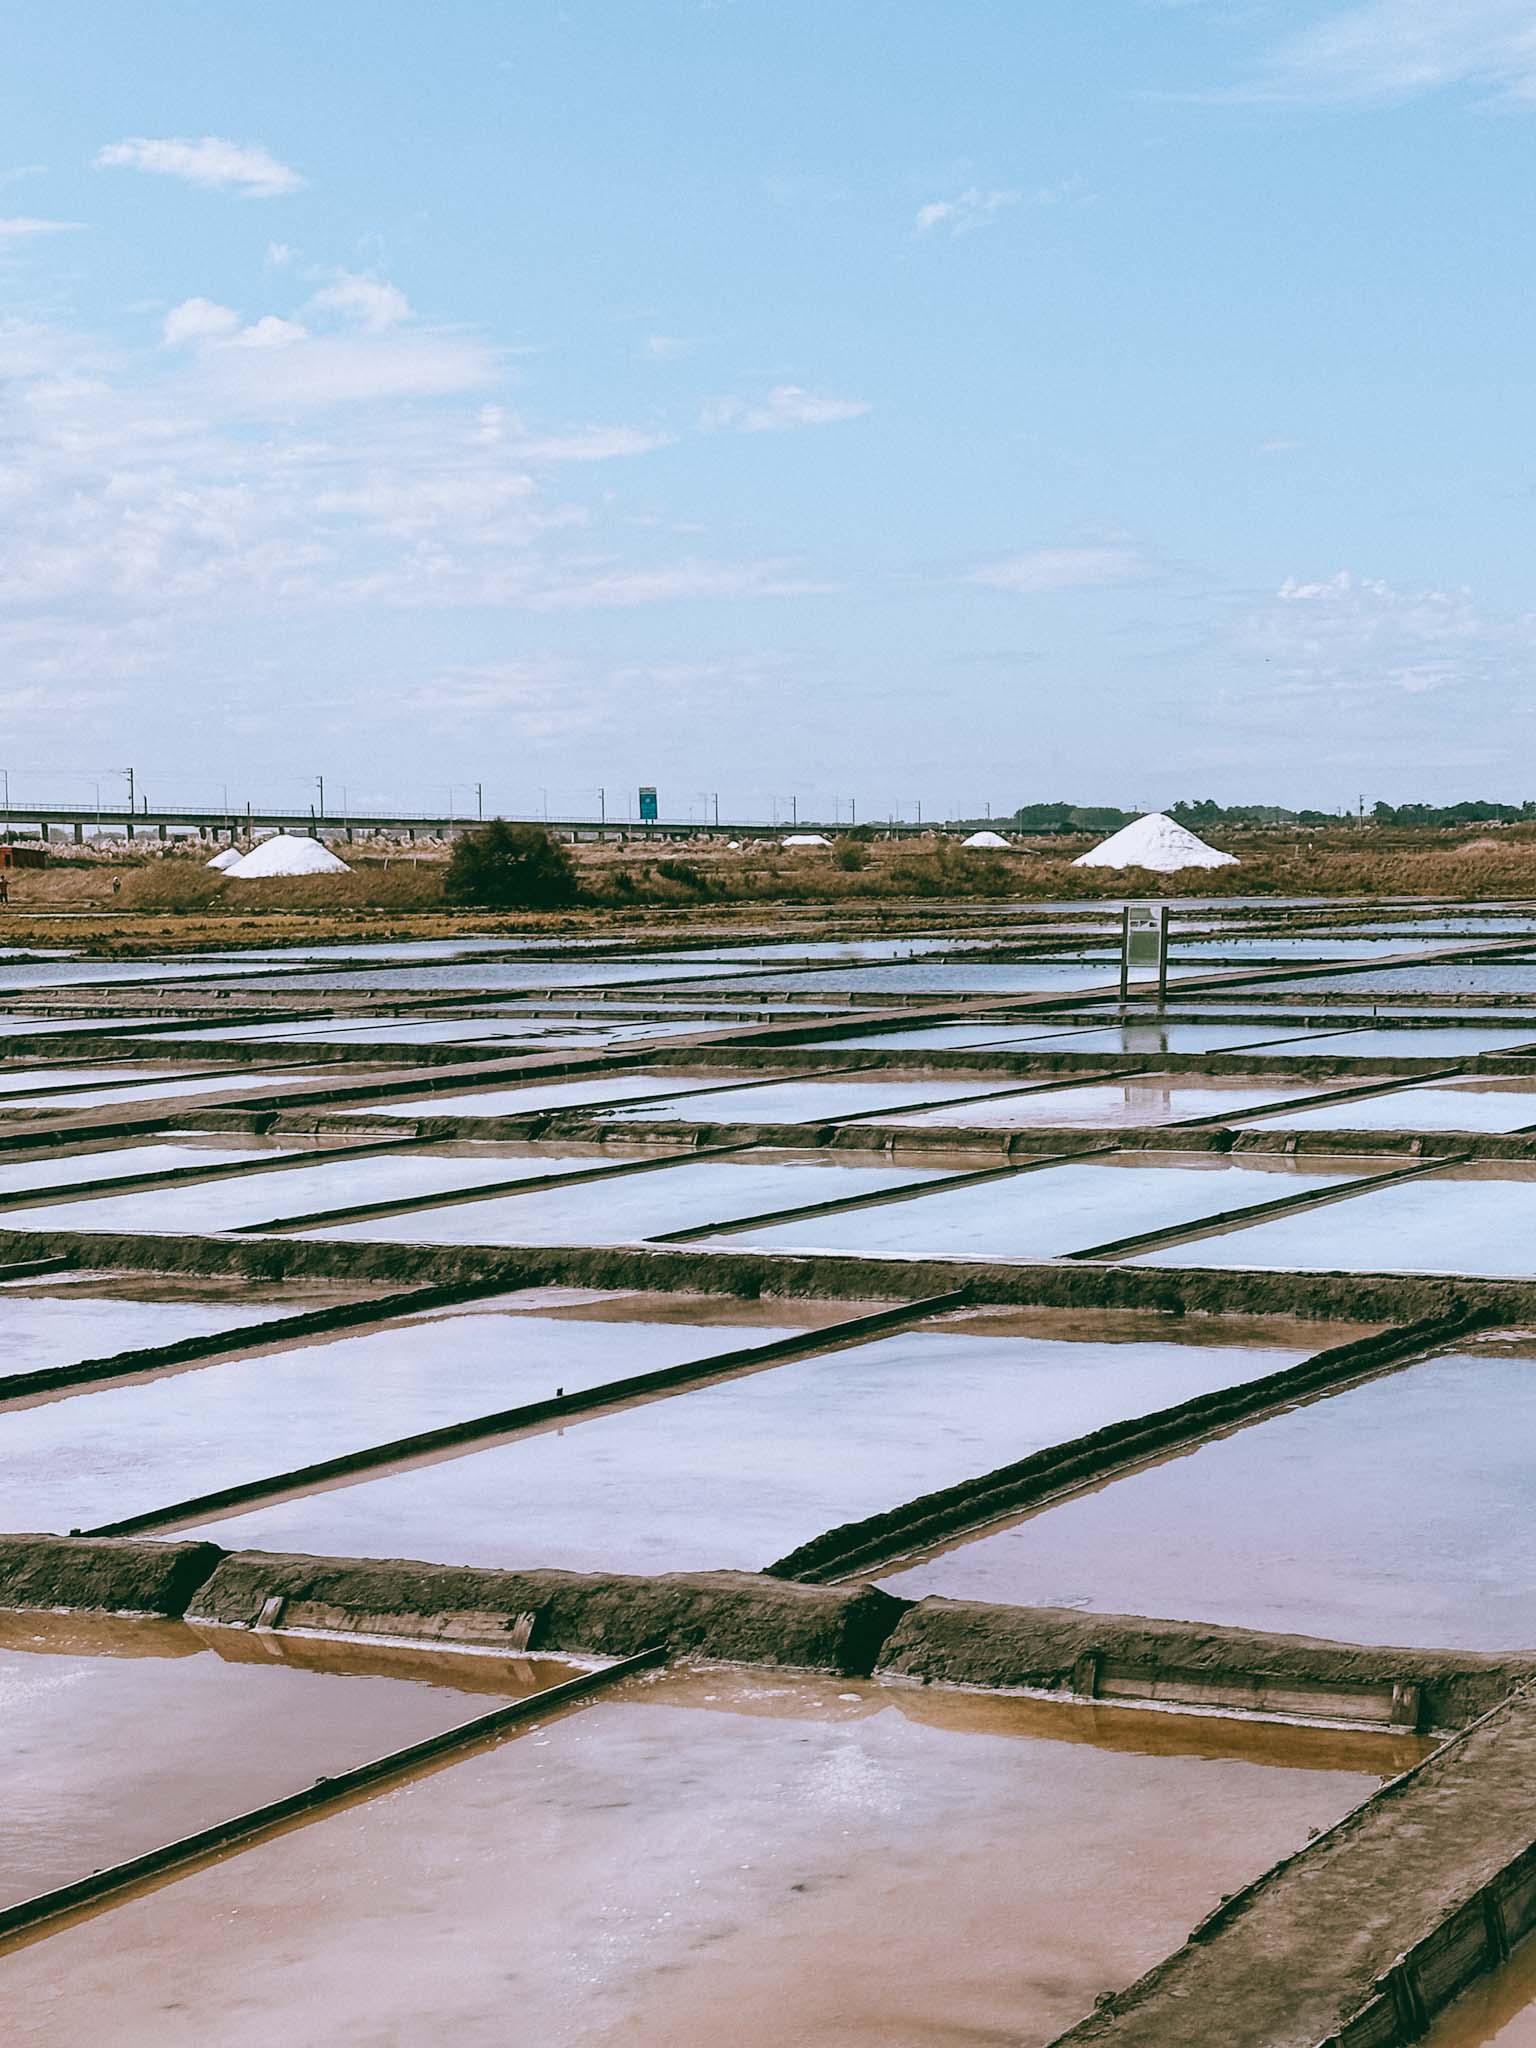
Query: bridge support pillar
[79, 834]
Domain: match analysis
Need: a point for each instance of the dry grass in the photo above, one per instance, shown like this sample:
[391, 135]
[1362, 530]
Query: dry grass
[137, 903]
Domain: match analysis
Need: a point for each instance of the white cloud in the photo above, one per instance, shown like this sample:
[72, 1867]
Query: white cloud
[589, 444]
[198, 320]
[280, 255]
[271, 332]
[1047, 569]
[978, 206]
[1280, 444]
[618, 587]
[667, 348]
[23, 228]
[367, 300]
[1386, 50]
[211, 162]
[966, 212]
[1347, 635]
[787, 405]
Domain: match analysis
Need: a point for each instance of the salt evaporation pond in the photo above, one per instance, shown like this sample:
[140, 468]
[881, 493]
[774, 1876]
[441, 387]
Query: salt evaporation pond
[803, 1102]
[1048, 1212]
[246, 1200]
[736, 1475]
[1492, 1105]
[1477, 1219]
[692, 1195]
[1180, 1038]
[1297, 1524]
[60, 1319]
[708, 1853]
[525, 1098]
[1115, 1105]
[1421, 1042]
[22, 1174]
[101, 1455]
[122, 1735]
[233, 1081]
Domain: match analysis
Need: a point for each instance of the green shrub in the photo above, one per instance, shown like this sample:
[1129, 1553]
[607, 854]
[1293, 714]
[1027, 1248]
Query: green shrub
[510, 867]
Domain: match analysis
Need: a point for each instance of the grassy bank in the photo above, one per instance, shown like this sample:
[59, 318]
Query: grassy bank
[136, 903]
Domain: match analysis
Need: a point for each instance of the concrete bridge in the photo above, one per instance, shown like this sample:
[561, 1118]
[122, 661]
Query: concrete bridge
[216, 824]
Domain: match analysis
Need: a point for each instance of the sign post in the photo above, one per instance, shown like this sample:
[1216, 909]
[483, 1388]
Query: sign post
[1144, 946]
[647, 806]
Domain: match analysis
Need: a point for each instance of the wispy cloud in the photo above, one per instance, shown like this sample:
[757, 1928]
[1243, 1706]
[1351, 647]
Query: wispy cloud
[1386, 50]
[965, 213]
[367, 300]
[23, 228]
[211, 162]
[667, 348]
[1046, 569]
[1347, 635]
[499, 427]
[786, 405]
[979, 206]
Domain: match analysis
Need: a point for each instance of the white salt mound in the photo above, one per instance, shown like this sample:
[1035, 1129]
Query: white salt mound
[226, 859]
[286, 855]
[993, 839]
[805, 839]
[1155, 842]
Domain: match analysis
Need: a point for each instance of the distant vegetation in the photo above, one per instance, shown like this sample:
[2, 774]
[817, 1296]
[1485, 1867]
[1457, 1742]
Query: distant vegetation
[1199, 812]
[510, 867]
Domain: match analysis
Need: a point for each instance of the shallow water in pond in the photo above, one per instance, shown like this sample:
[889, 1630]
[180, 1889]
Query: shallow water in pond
[1492, 1105]
[235, 1081]
[271, 1195]
[803, 1102]
[1047, 1212]
[1115, 1105]
[523, 1098]
[692, 1195]
[1467, 1219]
[1498, 2012]
[739, 1474]
[123, 1735]
[814, 1862]
[58, 1321]
[105, 1453]
[1396, 1512]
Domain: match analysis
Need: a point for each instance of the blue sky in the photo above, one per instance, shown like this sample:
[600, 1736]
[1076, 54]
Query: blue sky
[877, 402]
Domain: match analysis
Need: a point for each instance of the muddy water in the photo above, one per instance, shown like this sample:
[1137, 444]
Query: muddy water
[737, 1475]
[104, 1453]
[690, 1196]
[124, 1735]
[1046, 1212]
[1467, 1219]
[1498, 2012]
[247, 1200]
[709, 1857]
[1398, 1512]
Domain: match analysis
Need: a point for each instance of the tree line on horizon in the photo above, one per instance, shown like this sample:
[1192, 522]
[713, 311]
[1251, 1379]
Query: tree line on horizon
[1198, 812]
